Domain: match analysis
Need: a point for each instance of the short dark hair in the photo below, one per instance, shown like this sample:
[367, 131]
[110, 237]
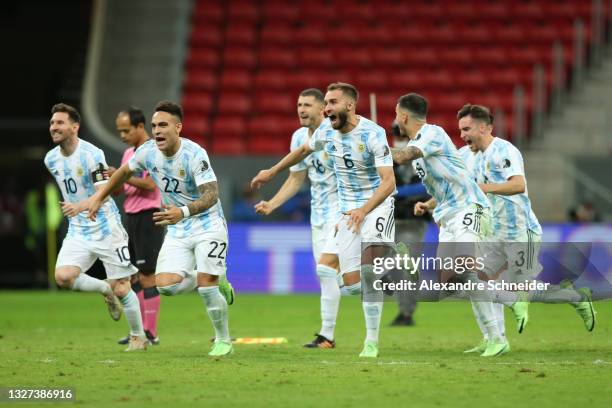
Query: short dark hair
[73, 114]
[136, 115]
[346, 89]
[314, 92]
[478, 112]
[170, 107]
[415, 104]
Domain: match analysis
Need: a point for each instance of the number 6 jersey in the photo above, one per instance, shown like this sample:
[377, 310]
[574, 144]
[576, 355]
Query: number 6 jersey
[178, 178]
[77, 175]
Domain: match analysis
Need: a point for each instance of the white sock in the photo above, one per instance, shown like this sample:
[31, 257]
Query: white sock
[131, 309]
[188, 284]
[372, 312]
[330, 300]
[481, 325]
[86, 283]
[501, 322]
[348, 290]
[216, 306]
[489, 318]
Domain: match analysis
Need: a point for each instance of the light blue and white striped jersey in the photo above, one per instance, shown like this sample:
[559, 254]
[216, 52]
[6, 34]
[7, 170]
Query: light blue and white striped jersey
[178, 178]
[471, 160]
[444, 173]
[355, 155]
[77, 175]
[323, 182]
[512, 214]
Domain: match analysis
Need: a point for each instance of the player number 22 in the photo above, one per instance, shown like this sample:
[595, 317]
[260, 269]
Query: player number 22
[222, 246]
[171, 189]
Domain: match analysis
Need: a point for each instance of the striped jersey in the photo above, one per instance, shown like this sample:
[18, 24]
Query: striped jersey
[471, 161]
[178, 178]
[444, 173]
[323, 182]
[512, 214]
[77, 176]
[355, 156]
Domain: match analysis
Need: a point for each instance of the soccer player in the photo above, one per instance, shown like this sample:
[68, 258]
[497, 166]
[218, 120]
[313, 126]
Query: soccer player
[517, 232]
[80, 169]
[197, 232]
[364, 169]
[459, 207]
[142, 199]
[319, 168]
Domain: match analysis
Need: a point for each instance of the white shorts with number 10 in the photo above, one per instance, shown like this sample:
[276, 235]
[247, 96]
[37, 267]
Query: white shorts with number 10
[112, 251]
[377, 227]
[204, 252]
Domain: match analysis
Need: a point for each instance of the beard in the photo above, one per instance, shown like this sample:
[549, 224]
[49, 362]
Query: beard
[342, 119]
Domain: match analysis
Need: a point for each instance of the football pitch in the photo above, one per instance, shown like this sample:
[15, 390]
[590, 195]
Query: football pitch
[65, 339]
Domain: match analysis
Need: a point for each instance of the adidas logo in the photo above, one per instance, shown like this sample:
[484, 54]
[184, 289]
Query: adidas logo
[333, 148]
[219, 263]
[155, 170]
[379, 235]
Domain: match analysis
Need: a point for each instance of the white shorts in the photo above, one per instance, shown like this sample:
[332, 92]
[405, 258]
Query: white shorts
[324, 240]
[514, 261]
[462, 230]
[203, 252]
[377, 227]
[113, 252]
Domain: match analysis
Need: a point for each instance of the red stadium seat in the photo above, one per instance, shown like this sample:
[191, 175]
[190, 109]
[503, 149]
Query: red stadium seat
[282, 102]
[206, 36]
[271, 80]
[277, 58]
[390, 58]
[228, 126]
[206, 13]
[243, 11]
[315, 58]
[240, 57]
[241, 35]
[236, 103]
[203, 58]
[198, 102]
[236, 80]
[195, 125]
[279, 11]
[234, 145]
[276, 35]
[200, 80]
[274, 144]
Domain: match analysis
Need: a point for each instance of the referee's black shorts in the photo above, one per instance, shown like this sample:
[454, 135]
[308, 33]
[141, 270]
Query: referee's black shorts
[145, 239]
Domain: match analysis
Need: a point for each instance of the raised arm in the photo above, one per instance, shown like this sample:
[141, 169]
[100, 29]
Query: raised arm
[289, 188]
[293, 158]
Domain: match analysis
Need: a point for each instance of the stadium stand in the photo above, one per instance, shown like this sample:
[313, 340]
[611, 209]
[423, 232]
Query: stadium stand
[247, 60]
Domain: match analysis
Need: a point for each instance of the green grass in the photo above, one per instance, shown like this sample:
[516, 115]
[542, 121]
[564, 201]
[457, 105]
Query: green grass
[67, 339]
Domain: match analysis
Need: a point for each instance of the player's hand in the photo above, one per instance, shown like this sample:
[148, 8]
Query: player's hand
[111, 170]
[420, 208]
[92, 207]
[262, 178]
[484, 188]
[264, 208]
[355, 220]
[72, 209]
[170, 216]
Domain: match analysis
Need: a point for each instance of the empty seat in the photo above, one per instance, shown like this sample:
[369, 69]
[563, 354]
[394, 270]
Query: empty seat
[237, 103]
[228, 126]
[239, 57]
[198, 102]
[236, 80]
[200, 80]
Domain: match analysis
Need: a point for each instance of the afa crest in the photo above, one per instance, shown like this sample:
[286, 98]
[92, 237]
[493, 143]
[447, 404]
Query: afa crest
[182, 173]
[80, 171]
[361, 147]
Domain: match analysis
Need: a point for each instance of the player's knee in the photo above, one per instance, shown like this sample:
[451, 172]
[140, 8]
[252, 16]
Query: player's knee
[121, 288]
[351, 278]
[64, 278]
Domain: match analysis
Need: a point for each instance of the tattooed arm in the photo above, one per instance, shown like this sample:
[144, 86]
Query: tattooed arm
[209, 194]
[402, 155]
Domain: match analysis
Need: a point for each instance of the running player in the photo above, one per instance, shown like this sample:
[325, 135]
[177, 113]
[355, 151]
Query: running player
[197, 232]
[517, 232]
[80, 169]
[364, 169]
[460, 208]
[319, 168]
[142, 199]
